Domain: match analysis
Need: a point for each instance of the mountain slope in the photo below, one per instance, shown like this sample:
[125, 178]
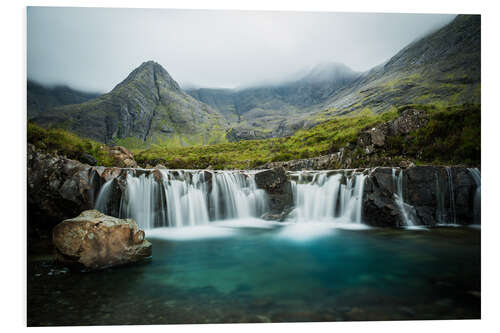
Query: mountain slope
[42, 98]
[147, 107]
[442, 68]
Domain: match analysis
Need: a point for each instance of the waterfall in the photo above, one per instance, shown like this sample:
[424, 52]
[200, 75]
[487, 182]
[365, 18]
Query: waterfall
[103, 198]
[142, 201]
[325, 197]
[407, 211]
[476, 176]
[186, 200]
[453, 219]
[177, 198]
[235, 195]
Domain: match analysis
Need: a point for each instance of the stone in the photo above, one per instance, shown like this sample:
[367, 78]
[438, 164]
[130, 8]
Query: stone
[409, 121]
[122, 157]
[160, 166]
[406, 164]
[88, 159]
[275, 182]
[378, 135]
[94, 241]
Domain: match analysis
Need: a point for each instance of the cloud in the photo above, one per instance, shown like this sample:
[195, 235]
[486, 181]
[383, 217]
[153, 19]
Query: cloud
[95, 48]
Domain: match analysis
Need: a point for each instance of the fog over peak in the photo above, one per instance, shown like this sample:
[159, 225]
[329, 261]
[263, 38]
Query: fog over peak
[96, 48]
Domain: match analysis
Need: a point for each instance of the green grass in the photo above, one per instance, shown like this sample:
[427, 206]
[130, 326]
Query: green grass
[316, 141]
[68, 144]
[452, 136]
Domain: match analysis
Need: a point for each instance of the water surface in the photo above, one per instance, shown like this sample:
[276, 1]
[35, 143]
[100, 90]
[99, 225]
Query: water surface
[253, 271]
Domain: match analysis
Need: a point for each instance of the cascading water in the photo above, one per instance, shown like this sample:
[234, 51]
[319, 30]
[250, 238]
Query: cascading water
[142, 201]
[235, 195]
[325, 197]
[103, 198]
[179, 198]
[453, 219]
[476, 176]
[405, 209]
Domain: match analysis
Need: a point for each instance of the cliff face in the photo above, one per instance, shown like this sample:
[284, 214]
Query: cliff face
[148, 106]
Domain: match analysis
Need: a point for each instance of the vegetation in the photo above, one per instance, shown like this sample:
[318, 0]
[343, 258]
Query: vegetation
[68, 144]
[452, 136]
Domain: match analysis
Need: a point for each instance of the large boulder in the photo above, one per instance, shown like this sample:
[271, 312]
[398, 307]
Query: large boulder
[93, 241]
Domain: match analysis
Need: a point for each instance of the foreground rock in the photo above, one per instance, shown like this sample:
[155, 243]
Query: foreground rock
[96, 241]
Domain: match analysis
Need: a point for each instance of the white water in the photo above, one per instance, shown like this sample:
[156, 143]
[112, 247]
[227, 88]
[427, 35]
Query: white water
[476, 175]
[453, 219]
[103, 196]
[180, 198]
[188, 198]
[407, 211]
[235, 195]
[319, 196]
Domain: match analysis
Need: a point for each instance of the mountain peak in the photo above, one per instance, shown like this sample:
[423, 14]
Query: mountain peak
[149, 74]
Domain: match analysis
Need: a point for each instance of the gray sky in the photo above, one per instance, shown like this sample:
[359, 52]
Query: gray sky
[95, 48]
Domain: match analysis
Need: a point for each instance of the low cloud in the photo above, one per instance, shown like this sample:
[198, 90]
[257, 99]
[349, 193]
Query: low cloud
[95, 48]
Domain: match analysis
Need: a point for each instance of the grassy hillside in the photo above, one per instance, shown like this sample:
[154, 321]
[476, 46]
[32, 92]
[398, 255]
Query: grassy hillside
[452, 136]
[67, 144]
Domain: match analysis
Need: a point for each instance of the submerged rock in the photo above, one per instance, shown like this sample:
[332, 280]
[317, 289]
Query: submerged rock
[96, 241]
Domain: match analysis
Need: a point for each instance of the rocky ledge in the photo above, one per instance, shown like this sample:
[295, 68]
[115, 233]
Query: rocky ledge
[60, 188]
[370, 148]
[432, 195]
[93, 241]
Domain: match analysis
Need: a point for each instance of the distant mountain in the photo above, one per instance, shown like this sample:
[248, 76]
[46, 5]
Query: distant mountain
[41, 98]
[147, 107]
[258, 110]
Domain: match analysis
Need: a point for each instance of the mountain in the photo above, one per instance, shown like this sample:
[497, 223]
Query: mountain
[147, 107]
[41, 98]
[259, 110]
[443, 67]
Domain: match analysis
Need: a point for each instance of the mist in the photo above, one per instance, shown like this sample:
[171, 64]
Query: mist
[93, 49]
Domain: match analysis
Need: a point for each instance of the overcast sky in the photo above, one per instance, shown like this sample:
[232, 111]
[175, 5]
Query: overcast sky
[95, 48]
